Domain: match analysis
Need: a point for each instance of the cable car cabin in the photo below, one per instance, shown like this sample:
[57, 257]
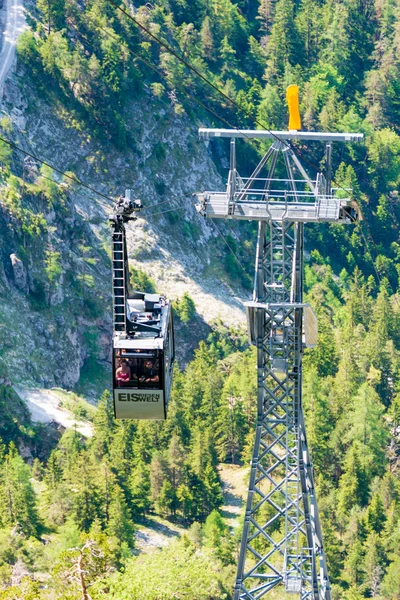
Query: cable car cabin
[143, 358]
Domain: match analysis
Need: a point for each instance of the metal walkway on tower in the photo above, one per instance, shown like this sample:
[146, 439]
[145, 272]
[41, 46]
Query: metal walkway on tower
[282, 539]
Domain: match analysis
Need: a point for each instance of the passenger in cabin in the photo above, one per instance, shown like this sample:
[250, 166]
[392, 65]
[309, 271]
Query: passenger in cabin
[136, 370]
[150, 372]
[123, 373]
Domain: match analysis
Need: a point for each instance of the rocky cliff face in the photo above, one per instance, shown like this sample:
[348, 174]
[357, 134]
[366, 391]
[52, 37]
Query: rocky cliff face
[55, 326]
[45, 317]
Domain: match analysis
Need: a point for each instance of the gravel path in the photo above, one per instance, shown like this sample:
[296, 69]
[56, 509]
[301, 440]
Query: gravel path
[43, 406]
[234, 485]
[15, 24]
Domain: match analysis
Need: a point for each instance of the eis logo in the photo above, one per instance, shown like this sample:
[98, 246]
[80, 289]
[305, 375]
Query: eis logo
[134, 397]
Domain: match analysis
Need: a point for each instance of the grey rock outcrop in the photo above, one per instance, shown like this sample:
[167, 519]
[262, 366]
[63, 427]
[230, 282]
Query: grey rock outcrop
[20, 276]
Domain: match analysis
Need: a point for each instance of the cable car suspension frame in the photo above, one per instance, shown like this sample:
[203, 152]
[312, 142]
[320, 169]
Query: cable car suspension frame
[143, 339]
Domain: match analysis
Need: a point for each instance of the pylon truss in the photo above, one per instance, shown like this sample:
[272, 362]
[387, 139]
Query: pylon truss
[282, 539]
[296, 198]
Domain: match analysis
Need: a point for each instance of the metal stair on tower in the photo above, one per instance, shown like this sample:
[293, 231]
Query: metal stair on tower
[118, 281]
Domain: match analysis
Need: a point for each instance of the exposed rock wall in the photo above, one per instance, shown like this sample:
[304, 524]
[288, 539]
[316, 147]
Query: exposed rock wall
[178, 248]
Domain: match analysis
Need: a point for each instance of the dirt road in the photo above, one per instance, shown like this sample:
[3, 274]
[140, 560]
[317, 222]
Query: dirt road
[15, 24]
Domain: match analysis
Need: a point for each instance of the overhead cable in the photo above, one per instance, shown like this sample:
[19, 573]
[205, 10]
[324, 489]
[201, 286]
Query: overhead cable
[165, 211]
[63, 173]
[213, 86]
[193, 69]
[178, 87]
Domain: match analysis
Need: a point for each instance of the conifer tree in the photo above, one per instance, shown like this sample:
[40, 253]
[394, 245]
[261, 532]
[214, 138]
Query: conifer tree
[53, 13]
[207, 38]
[167, 501]
[284, 45]
[120, 453]
[216, 536]
[320, 422]
[353, 487]
[230, 425]
[176, 457]
[369, 429]
[212, 486]
[54, 472]
[391, 582]
[17, 496]
[158, 473]
[106, 482]
[120, 523]
[375, 516]
[86, 494]
[373, 563]
[142, 444]
[104, 424]
[265, 15]
[139, 489]
[353, 568]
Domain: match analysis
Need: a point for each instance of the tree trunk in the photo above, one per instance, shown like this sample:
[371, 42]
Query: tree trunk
[85, 595]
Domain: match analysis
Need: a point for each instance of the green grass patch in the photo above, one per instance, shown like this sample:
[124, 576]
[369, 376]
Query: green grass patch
[76, 404]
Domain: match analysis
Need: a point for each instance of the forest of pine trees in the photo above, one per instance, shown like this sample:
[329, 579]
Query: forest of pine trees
[84, 501]
[68, 521]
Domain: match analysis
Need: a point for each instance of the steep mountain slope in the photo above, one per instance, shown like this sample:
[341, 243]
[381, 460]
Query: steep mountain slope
[85, 97]
[178, 249]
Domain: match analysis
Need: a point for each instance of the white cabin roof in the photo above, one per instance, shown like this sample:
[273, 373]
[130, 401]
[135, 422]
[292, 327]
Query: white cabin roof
[138, 343]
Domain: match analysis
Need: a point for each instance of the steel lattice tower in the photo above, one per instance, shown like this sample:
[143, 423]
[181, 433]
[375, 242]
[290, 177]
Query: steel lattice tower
[282, 539]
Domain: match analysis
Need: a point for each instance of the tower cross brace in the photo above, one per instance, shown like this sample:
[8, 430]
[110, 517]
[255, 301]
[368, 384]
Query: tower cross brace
[282, 538]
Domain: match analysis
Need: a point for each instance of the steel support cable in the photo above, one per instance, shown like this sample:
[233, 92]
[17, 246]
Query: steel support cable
[163, 212]
[184, 91]
[230, 228]
[64, 174]
[180, 88]
[187, 93]
[162, 75]
[220, 232]
[57, 183]
[216, 88]
[190, 95]
[194, 70]
[59, 171]
[156, 205]
[76, 180]
[40, 175]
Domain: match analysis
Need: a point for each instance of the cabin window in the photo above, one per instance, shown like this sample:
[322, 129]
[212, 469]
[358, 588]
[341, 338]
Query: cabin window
[171, 347]
[137, 369]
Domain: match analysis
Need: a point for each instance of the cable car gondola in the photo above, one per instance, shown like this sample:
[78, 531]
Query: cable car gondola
[143, 339]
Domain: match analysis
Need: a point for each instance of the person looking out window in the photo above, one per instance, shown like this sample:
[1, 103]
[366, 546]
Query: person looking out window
[123, 373]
